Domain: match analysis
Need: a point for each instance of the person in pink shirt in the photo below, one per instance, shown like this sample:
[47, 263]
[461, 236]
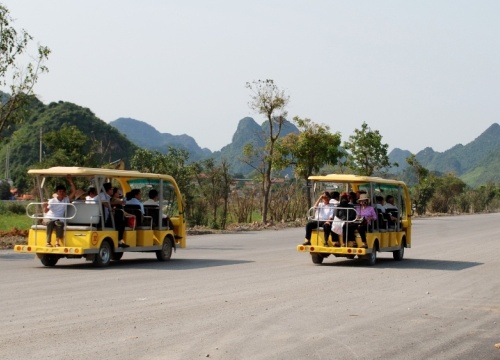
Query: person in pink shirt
[368, 214]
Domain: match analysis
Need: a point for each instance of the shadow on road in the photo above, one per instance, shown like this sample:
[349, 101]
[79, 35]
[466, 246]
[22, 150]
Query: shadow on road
[427, 264]
[150, 264]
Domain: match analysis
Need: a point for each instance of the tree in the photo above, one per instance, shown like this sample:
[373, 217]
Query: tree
[424, 190]
[366, 153]
[17, 80]
[214, 184]
[65, 147]
[311, 149]
[268, 100]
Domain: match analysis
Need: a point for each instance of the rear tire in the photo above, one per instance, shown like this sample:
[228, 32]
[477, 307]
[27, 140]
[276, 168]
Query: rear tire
[317, 258]
[166, 250]
[49, 260]
[372, 257]
[398, 254]
[103, 257]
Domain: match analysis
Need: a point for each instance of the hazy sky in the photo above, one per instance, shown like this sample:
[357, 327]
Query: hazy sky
[423, 73]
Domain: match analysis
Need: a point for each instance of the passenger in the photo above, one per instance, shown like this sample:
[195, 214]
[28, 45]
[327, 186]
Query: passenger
[153, 201]
[345, 211]
[105, 198]
[153, 198]
[335, 198]
[367, 214]
[117, 203]
[353, 198]
[55, 213]
[391, 210]
[380, 203]
[135, 199]
[91, 195]
[324, 217]
[389, 203]
[117, 197]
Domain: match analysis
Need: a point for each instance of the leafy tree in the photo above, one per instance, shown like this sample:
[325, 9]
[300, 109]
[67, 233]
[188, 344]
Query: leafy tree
[268, 100]
[424, 190]
[17, 79]
[65, 147]
[366, 152]
[214, 185]
[309, 150]
[447, 190]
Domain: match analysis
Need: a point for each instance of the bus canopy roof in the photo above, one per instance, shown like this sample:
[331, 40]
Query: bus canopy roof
[357, 179]
[110, 173]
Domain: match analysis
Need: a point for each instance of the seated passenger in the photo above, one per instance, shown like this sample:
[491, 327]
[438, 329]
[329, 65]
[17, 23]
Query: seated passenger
[91, 195]
[153, 201]
[55, 213]
[335, 198]
[345, 211]
[135, 199]
[324, 217]
[391, 210]
[367, 213]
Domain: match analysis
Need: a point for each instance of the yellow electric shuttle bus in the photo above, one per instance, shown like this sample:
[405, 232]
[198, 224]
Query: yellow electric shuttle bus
[92, 227]
[389, 232]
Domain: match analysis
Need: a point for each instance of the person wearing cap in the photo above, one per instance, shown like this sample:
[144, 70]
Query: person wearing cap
[367, 213]
[324, 218]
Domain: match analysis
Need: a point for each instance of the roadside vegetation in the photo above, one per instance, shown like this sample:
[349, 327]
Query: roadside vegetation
[276, 191]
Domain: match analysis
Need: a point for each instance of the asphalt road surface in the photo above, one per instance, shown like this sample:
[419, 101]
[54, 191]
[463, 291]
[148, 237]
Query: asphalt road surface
[253, 296]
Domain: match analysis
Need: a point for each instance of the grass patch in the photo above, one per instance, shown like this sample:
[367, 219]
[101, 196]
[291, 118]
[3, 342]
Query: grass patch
[9, 221]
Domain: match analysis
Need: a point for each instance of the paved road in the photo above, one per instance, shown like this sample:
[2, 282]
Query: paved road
[252, 296]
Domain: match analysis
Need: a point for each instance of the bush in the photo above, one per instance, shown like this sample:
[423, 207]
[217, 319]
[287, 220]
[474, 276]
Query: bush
[12, 207]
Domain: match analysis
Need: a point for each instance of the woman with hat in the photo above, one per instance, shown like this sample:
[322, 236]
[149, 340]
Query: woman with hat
[368, 214]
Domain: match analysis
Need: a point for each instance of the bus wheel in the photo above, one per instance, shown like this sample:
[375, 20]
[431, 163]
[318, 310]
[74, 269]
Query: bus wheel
[166, 250]
[317, 258]
[116, 256]
[398, 254]
[103, 257]
[372, 257]
[49, 260]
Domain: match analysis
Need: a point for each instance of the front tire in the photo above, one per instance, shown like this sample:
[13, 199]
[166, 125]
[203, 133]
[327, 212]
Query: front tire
[49, 260]
[166, 250]
[103, 257]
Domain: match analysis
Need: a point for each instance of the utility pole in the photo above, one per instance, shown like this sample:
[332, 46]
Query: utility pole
[40, 144]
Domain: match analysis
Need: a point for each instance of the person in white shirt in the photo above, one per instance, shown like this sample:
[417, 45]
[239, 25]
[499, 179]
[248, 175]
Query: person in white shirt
[153, 201]
[324, 218]
[91, 195]
[335, 200]
[55, 213]
[134, 198]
